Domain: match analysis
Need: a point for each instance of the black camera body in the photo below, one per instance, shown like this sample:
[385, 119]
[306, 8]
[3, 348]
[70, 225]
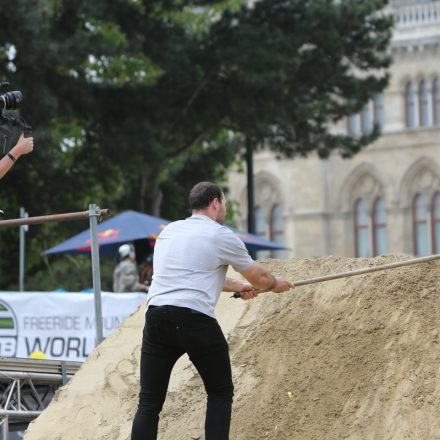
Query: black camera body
[11, 101]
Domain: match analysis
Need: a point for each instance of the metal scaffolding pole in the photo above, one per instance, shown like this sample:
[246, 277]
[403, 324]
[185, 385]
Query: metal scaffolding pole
[70, 216]
[23, 230]
[94, 214]
[5, 427]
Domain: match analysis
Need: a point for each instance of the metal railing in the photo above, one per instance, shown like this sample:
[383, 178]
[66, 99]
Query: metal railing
[93, 214]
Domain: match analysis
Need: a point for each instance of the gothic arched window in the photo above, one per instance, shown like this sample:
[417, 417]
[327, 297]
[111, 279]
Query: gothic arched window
[423, 104]
[436, 223]
[366, 118]
[277, 228]
[380, 239]
[260, 228]
[378, 110]
[420, 224]
[352, 124]
[362, 229]
[410, 106]
[436, 101]
[260, 223]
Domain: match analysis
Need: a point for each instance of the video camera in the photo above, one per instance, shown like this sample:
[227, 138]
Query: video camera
[11, 101]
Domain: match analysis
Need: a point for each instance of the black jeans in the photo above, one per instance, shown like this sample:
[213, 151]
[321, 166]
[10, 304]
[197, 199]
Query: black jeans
[170, 332]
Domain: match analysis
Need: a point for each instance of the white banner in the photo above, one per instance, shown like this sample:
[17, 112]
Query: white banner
[60, 325]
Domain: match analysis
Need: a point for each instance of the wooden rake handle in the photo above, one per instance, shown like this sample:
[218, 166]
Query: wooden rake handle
[356, 272]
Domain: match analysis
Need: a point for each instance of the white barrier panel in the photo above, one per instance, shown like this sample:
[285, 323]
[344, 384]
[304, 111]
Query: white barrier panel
[61, 325]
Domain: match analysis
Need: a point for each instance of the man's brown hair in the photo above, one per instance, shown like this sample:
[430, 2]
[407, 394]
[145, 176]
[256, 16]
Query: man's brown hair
[203, 194]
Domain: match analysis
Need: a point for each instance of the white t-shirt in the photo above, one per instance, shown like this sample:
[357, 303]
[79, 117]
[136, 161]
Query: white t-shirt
[191, 258]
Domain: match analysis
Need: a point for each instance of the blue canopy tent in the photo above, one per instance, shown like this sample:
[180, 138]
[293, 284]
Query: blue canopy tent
[126, 227]
[131, 226]
[255, 243]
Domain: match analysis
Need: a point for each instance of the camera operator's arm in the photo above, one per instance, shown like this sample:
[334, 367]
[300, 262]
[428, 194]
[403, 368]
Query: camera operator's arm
[23, 146]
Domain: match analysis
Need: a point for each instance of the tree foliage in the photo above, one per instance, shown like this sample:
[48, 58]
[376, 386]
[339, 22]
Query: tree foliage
[133, 101]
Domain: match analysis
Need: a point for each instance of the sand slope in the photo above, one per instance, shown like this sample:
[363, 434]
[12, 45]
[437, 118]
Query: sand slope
[356, 358]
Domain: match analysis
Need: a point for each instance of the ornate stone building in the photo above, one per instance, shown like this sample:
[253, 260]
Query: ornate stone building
[387, 198]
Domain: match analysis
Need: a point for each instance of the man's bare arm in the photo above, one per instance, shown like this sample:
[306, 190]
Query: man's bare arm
[262, 279]
[235, 286]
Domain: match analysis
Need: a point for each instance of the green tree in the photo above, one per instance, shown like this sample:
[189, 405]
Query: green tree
[278, 72]
[288, 70]
[133, 101]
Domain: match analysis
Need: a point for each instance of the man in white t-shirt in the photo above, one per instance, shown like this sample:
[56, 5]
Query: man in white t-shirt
[191, 258]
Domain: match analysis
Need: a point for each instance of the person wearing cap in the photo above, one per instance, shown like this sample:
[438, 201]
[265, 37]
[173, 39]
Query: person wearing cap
[125, 275]
[191, 258]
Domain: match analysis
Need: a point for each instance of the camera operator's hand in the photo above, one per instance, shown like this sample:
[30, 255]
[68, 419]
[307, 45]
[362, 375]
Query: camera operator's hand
[23, 146]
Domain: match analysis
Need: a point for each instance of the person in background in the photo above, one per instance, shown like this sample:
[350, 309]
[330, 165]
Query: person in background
[146, 275]
[125, 275]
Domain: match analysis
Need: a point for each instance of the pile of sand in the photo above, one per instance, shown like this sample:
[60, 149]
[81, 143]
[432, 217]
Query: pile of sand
[355, 358]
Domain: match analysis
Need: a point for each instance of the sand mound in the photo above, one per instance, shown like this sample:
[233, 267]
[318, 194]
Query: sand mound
[356, 358]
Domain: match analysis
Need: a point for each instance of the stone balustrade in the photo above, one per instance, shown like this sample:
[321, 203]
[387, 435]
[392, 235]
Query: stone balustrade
[416, 14]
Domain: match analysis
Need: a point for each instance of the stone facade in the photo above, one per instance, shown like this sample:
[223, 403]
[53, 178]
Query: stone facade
[317, 198]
